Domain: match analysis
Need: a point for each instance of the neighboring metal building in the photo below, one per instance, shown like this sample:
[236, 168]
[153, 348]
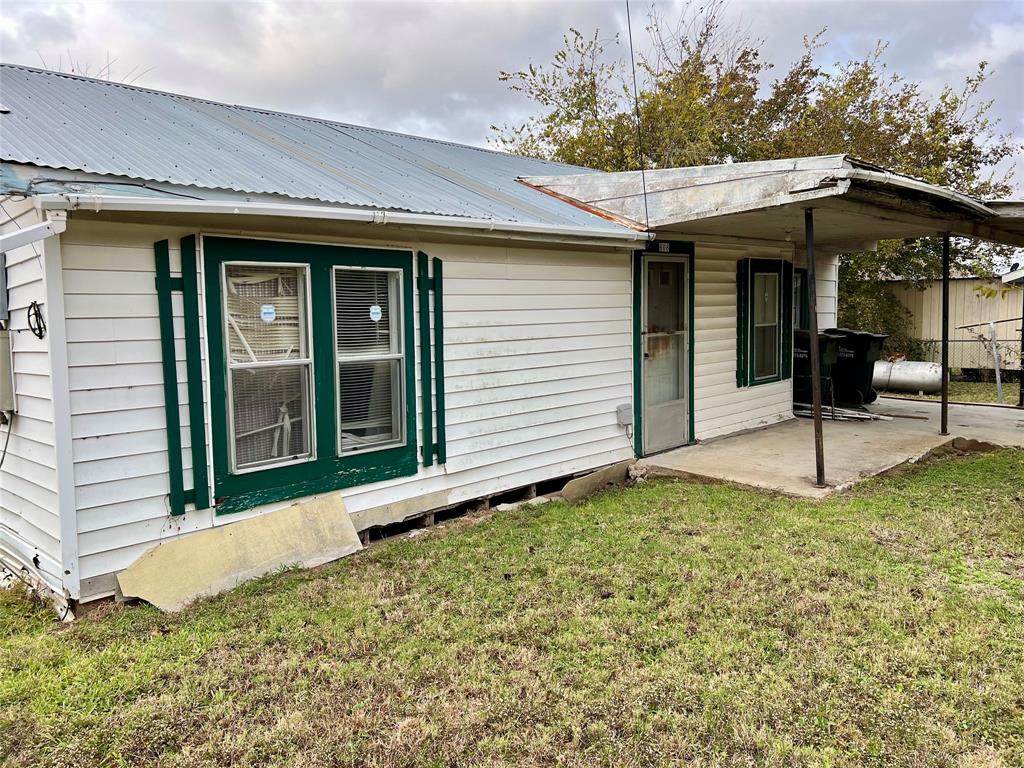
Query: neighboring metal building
[974, 304]
[228, 310]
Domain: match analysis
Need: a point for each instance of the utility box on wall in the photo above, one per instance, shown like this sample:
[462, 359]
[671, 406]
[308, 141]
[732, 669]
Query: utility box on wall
[7, 403]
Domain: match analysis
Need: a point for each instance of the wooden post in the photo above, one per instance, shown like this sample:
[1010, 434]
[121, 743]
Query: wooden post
[944, 426]
[815, 351]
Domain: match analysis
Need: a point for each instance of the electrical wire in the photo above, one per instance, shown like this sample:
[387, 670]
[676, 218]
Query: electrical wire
[639, 132]
[7, 442]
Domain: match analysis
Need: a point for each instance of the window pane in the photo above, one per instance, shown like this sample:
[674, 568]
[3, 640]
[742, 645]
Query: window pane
[363, 316]
[270, 409]
[766, 298]
[369, 397]
[266, 313]
[765, 351]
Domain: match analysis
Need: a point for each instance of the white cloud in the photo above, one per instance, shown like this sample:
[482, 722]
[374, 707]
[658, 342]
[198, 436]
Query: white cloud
[431, 67]
[1004, 41]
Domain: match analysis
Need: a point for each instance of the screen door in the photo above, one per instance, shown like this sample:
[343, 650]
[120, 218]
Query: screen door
[666, 374]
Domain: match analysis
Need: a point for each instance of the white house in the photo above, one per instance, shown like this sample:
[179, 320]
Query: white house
[243, 308]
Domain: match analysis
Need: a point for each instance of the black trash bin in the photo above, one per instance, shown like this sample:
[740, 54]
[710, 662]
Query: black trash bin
[855, 366]
[828, 353]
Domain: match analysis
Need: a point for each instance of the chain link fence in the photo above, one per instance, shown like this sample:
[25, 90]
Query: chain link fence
[973, 365]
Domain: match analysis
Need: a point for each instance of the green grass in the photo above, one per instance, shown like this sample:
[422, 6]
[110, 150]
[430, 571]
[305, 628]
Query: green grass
[671, 623]
[971, 392]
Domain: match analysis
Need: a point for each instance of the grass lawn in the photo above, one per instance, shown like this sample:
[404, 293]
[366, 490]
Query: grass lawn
[667, 624]
[971, 392]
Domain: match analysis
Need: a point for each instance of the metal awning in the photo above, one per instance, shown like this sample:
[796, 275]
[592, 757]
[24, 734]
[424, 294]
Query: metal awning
[856, 203]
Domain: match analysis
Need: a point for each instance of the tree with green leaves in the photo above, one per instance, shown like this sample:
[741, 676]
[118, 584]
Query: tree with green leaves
[704, 98]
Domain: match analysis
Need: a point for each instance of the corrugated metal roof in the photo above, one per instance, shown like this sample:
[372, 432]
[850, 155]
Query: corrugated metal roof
[66, 121]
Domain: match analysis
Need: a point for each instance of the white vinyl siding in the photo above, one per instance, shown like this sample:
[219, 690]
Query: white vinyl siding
[118, 424]
[720, 407]
[29, 515]
[827, 273]
[538, 354]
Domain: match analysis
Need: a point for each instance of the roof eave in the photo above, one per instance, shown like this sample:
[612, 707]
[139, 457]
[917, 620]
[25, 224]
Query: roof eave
[506, 229]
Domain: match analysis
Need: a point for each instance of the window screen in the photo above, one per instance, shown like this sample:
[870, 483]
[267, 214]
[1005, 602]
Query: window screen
[269, 364]
[766, 324]
[368, 344]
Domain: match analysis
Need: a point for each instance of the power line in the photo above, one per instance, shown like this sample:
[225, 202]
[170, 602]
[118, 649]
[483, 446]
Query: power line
[639, 132]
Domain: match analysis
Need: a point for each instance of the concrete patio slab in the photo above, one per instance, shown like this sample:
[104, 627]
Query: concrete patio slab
[780, 458]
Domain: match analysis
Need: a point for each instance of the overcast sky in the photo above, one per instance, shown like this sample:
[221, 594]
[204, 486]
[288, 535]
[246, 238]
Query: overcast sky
[431, 68]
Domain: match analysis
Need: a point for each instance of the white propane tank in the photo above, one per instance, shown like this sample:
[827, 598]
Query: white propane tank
[907, 376]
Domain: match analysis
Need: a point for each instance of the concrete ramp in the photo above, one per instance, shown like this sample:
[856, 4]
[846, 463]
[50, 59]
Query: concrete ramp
[173, 574]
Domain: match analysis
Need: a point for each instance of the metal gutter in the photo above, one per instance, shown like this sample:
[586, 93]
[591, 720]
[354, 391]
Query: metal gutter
[508, 229]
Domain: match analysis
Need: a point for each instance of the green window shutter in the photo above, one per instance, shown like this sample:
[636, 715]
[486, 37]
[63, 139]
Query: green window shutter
[742, 320]
[787, 320]
[165, 284]
[423, 285]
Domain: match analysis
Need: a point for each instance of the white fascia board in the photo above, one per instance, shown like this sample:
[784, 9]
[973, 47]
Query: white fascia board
[32, 234]
[99, 203]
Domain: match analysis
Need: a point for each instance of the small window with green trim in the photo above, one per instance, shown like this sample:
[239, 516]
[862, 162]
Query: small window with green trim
[764, 315]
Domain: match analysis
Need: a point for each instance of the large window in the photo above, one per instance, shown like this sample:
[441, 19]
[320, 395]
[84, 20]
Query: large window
[310, 351]
[764, 312]
[368, 319]
[266, 315]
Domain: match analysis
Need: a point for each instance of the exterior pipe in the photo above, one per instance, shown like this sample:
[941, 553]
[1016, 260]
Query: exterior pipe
[815, 351]
[944, 425]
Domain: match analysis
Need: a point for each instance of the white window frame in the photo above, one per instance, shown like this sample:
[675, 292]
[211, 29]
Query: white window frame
[306, 361]
[397, 307]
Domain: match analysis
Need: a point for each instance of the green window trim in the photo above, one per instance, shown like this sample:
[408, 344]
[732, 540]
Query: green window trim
[746, 270]
[328, 470]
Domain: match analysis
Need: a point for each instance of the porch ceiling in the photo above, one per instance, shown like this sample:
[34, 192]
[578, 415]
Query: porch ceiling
[856, 203]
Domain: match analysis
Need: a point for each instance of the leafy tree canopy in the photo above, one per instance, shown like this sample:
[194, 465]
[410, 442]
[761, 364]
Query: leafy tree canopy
[706, 96]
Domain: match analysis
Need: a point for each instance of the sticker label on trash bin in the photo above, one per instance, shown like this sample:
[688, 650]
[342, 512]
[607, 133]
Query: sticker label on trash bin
[375, 313]
[268, 313]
